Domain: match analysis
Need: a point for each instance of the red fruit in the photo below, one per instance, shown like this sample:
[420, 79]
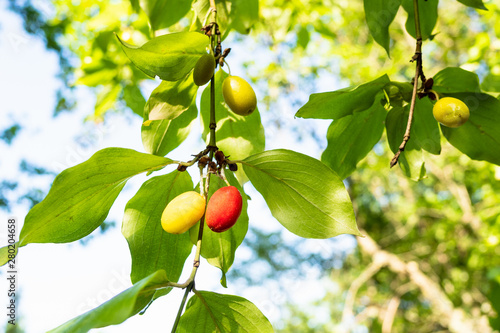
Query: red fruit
[223, 209]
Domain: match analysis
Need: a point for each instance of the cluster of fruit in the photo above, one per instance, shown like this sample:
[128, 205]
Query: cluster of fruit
[238, 94]
[185, 210]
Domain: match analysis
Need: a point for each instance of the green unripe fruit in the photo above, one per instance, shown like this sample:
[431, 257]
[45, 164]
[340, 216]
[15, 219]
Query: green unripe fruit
[239, 95]
[451, 112]
[393, 91]
[183, 212]
[223, 209]
[204, 69]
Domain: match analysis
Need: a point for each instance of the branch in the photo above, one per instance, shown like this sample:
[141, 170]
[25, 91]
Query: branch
[367, 274]
[390, 314]
[418, 73]
[393, 306]
[455, 319]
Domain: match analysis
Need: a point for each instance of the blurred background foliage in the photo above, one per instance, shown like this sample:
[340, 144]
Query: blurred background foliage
[448, 224]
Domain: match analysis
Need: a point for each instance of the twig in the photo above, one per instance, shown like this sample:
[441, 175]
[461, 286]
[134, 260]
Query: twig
[212, 143]
[183, 165]
[393, 306]
[418, 74]
[184, 298]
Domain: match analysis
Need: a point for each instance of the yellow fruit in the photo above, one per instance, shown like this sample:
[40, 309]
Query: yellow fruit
[451, 112]
[204, 69]
[183, 212]
[239, 95]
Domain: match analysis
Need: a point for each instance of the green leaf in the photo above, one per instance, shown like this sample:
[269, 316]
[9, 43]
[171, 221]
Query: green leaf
[411, 160]
[351, 137]
[379, 16]
[171, 98]
[134, 99]
[164, 13]
[106, 99]
[170, 57]
[219, 248]
[491, 82]
[425, 128]
[479, 137]
[494, 297]
[100, 71]
[303, 37]
[119, 308]
[98, 77]
[303, 194]
[240, 15]
[4, 253]
[81, 196]
[208, 312]
[474, 3]
[454, 79]
[151, 247]
[428, 13]
[237, 136]
[343, 102]
[162, 136]
[244, 14]
[398, 91]
[135, 5]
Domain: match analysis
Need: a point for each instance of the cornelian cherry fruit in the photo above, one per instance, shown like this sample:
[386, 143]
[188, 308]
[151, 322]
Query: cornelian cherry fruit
[239, 95]
[182, 212]
[451, 112]
[204, 69]
[223, 209]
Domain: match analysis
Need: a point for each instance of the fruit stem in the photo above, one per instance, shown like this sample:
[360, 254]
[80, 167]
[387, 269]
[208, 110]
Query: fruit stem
[228, 68]
[435, 94]
[223, 176]
[202, 182]
[418, 74]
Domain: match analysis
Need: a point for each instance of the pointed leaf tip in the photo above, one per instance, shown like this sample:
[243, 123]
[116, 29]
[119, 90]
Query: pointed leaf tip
[170, 57]
[303, 194]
